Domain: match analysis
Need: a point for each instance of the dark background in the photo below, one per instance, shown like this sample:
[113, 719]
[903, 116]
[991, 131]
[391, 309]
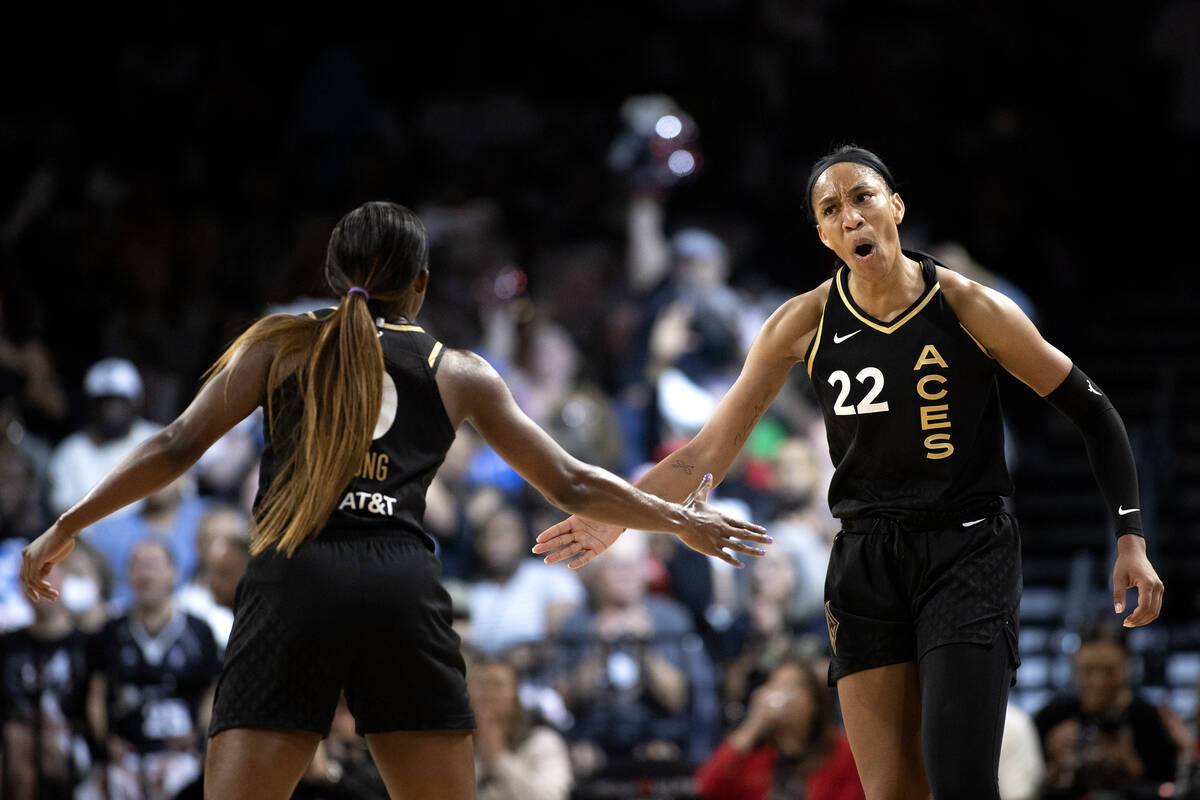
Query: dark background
[174, 184]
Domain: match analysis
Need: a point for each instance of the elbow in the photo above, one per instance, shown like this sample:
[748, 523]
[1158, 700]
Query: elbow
[573, 489]
[178, 446]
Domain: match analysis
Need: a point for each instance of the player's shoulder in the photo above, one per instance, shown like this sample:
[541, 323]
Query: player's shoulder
[799, 314]
[973, 302]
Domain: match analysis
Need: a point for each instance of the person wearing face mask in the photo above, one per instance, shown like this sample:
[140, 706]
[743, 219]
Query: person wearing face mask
[114, 390]
[43, 680]
[87, 585]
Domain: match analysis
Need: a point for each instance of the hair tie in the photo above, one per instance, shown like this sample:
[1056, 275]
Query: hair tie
[360, 290]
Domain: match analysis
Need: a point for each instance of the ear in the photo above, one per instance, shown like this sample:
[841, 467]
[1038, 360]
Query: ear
[421, 282]
[824, 239]
[897, 208]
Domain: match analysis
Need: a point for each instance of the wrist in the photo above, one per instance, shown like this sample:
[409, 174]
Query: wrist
[1131, 542]
[63, 527]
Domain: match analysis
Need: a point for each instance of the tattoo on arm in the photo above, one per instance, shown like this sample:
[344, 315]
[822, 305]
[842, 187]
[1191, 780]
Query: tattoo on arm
[759, 409]
[688, 469]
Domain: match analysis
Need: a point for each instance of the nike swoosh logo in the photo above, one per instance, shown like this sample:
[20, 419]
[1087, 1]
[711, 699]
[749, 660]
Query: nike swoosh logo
[1092, 389]
[839, 339]
[1122, 510]
[973, 522]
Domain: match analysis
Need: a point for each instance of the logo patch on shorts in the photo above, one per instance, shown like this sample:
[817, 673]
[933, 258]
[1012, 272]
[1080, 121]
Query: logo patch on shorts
[833, 624]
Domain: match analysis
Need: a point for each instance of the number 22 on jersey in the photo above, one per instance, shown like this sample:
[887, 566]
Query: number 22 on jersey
[932, 416]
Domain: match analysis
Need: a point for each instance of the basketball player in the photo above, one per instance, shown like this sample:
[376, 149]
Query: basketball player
[343, 592]
[924, 579]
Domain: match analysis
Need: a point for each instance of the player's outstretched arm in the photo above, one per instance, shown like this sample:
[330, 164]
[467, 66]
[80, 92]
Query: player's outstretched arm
[1009, 336]
[473, 392]
[225, 400]
[777, 348]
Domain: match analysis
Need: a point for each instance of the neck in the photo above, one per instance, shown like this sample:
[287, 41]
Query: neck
[51, 626]
[153, 618]
[887, 294]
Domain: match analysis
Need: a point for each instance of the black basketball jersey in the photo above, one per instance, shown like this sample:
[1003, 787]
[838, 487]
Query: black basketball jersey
[156, 682]
[911, 406]
[410, 440]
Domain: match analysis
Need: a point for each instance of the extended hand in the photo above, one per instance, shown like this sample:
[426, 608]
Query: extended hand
[37, 559]
[1133, 569]
[576, 536]
[717, 533]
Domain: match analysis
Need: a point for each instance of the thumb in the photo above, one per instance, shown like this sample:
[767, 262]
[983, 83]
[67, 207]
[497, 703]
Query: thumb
[700, 493]
[1119, 588]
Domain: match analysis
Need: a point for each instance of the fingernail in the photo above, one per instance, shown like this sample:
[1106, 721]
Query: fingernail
[708, 476]
[762, 552]
[770, 540]
[1118, 607]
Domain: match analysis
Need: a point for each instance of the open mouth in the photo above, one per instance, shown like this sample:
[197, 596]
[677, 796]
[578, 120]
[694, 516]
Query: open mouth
[864, 250]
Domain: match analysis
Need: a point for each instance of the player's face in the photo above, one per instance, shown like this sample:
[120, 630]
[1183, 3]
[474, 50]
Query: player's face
[857, 217]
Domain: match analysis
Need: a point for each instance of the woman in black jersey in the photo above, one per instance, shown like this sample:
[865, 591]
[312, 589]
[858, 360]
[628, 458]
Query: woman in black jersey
[342, 592]
[924, 578]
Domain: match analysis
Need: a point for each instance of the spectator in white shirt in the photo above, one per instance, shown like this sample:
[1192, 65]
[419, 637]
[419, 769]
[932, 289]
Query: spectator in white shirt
[114, 390]
[519, 599]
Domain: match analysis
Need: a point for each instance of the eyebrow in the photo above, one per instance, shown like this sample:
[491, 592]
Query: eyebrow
[860, 185]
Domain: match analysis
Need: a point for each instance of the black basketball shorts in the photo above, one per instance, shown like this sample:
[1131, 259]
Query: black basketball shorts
[358, 612]
[894, 592]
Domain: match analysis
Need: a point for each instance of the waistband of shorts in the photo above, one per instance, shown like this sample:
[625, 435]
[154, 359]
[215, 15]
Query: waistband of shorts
[919, 521]
[402, 536]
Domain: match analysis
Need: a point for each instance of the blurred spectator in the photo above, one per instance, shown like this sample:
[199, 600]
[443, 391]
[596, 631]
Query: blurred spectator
[518, 599]
[20, 444]
[803, 527]
[689, 344]
[787, 746]
[151, 689]
[765, 634]
[113, 428]
[632, 670]
[21, 514]
[1104, 737]
[342, 768]
[1022, 766]
[514, 759]
[172, 514]
[222, 554]
[224, 468]
[445, 508]
[87, 586]
[28, 364]
[44, 672]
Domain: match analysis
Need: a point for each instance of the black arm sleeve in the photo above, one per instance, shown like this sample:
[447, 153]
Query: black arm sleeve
[1078, 399]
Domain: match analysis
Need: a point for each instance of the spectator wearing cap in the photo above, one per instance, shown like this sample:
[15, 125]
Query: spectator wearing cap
[113, 428]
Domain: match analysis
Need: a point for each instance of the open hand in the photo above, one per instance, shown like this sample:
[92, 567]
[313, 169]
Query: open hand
[714, 533]
[711, 533]
[37, 559]
[578, 538]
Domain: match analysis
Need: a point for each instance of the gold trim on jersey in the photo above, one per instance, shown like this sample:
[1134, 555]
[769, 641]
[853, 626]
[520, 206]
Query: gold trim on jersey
[437, 348]
[393, 327]
[816, 342]
[986, 352]
[872, 323]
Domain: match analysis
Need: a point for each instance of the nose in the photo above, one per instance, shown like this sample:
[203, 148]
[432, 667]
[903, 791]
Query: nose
[851, 218]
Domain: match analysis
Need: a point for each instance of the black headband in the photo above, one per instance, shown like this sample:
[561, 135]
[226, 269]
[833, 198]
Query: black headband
[855, 155]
